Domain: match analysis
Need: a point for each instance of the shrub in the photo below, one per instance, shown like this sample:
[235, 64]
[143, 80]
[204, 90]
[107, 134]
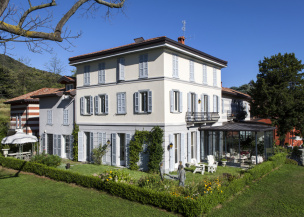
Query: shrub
[115, 175]
[155, 149]
[99, 152]
[291, 161]
[46, 159]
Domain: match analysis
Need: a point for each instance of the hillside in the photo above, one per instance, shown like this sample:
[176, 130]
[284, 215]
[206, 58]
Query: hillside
[17, 78]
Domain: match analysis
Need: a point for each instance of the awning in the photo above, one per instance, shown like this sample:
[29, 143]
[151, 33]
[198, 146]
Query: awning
[19, 138]
[239, 126]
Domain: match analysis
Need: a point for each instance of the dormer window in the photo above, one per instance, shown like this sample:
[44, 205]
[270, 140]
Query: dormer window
[69, 87]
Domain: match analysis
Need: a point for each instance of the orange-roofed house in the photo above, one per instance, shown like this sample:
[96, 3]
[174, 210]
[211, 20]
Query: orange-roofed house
[25, 113]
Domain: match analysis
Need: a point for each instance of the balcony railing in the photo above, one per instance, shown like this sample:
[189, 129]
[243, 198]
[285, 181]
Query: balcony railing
[202, 117]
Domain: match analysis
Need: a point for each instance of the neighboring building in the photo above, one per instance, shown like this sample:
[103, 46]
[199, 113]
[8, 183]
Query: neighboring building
[291, 138]
[57, 118]
[25, 113]
[155, 82]
[235, 103]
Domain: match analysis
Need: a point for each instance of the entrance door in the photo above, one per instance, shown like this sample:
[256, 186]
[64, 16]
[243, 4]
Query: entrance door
[122, 148]
[50, 143]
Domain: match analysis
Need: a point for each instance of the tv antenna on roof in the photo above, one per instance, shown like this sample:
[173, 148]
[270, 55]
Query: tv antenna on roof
[184, 26]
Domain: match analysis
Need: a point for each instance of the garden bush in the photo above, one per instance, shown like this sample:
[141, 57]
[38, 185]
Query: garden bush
[47, 159]
[291, 161]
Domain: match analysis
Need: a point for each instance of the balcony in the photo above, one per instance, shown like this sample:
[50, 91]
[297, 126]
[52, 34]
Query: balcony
[231, 115]
[202, 117]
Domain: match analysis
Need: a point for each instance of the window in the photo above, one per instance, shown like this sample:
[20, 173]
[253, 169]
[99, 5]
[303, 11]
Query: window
[175, 65]
[215, 103]
[69, 87]
[176, 138]
[121, 103]
[121, 69]
[49, 117]
[86, 105]
[205, 74]
[67, 144]
[191, 63]
[65, 117]
[101, 104]
[176, 101]
[143, 66]
[193, 142]
[18, 121]
[86, 75]
[101, 73]
[143, 102]
[214, 77]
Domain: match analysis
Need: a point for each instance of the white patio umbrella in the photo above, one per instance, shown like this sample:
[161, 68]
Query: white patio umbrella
[19, 138]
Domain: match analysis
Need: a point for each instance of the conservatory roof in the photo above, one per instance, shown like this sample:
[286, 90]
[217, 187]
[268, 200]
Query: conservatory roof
[240, 126]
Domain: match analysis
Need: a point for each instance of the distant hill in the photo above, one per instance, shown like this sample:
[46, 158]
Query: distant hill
[17, 78]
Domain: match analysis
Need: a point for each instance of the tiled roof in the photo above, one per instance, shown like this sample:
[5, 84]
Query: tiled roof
[49, 92]
[67, 79]
[158, 41]
[27, 97]
[55, 92]
[126, 45]
[235, 92]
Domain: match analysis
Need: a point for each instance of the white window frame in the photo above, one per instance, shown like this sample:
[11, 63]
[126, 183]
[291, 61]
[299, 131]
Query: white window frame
[49, 117]
[205, 81]
[121, 69]
[86, 75]
[143, 66]
[66, 117]
[175, 66]
[87, 99]
[215, 77]
[176, 101]
[191, 70]
[101, 73]
[138, 101]
[121, 103]
[216, 103]
[101, 105]
[18, 121]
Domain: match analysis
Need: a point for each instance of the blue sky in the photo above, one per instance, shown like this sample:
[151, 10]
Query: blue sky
[241, 32]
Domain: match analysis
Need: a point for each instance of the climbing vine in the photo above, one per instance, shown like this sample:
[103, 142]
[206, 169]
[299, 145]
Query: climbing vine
[75, 143]
[155, 149]
[154, 140]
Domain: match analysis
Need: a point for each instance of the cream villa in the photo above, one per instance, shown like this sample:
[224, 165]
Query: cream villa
[154, 82]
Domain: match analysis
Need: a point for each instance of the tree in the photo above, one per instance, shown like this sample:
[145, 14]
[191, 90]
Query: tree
[245, 88]
[55, 65]
[278, 93]
[33, 27]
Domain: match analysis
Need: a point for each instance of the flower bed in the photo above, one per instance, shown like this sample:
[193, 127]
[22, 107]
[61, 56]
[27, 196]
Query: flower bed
[193, 200]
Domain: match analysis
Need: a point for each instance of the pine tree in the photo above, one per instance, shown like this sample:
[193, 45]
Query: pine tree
[278, 93]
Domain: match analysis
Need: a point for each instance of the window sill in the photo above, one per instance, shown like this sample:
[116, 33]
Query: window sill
[142, 113]
[120, 113]
[176, 112]
[50, 124]
[86, 84]
[65, 125]
[86, 115]
[103, 114]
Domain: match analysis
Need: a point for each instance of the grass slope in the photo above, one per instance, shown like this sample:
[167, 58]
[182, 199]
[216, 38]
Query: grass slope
[278, 194]
[28, 195]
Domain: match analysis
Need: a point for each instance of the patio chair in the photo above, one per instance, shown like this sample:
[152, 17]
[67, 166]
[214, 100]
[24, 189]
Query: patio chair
[200, 168]
[212, 164]
[253, 160]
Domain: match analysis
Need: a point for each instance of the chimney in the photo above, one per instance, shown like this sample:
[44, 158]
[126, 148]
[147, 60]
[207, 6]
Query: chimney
[181, 39]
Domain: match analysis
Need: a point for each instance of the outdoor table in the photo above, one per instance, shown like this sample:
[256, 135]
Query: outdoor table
[20, 155]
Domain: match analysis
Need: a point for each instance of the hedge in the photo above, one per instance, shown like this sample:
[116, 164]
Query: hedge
[164, 200]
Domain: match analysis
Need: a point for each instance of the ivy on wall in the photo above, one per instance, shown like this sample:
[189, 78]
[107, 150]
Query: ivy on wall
[154, 140]
[75, 143]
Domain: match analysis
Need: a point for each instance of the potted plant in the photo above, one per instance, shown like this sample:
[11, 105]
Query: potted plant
[5, 149]
[224, 161]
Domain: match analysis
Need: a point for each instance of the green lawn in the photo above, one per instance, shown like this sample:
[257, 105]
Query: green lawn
[28, 195]
[281, 193]
[90, 169]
